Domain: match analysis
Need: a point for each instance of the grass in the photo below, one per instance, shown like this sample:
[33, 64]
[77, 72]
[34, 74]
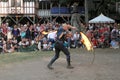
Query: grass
[7, 58]
[21, 56]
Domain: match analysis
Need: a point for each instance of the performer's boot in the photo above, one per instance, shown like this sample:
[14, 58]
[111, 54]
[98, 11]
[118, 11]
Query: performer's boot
[50, 64]
[69, 64]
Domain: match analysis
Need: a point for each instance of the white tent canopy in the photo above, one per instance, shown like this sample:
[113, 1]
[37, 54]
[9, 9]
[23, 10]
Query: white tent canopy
[101, 19]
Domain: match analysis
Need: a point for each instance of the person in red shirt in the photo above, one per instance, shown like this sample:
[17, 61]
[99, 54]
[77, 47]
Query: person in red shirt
[4, 31]
[101, 40]
[94, 42]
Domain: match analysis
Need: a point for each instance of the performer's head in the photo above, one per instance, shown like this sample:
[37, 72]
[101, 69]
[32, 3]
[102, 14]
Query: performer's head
[65, 26]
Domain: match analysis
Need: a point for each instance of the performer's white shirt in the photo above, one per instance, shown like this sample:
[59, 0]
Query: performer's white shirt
[52, 35]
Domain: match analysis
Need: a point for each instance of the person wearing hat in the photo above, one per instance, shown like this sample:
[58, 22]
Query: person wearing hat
[59, 46]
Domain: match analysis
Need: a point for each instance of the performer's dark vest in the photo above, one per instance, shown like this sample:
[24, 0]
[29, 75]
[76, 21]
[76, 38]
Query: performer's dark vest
[59, 32]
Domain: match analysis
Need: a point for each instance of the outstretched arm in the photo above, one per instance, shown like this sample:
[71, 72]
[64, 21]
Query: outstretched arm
[72, 27]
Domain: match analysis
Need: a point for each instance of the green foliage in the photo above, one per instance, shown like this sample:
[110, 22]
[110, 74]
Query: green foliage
[65, 1]
[115, 0]
[4, 0]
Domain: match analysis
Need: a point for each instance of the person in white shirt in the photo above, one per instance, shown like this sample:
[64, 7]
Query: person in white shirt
[52, 37]
[76, 37]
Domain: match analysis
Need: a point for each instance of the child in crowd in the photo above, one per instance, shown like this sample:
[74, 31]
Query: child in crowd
[8, 47]
[45, 46]
[50, 46]
[114, 44]
[1, 45]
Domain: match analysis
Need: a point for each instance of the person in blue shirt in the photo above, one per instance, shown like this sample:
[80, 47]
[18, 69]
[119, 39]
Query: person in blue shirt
[59, 45]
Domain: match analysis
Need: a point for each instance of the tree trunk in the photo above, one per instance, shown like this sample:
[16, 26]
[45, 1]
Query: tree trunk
[86, 11]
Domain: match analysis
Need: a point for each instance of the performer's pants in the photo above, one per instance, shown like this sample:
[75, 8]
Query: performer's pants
[60, 47]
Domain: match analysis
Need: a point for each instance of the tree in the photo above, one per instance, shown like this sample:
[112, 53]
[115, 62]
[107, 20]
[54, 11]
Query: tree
[115, 0]
[106, 7]
[66, 2]
[63, 1]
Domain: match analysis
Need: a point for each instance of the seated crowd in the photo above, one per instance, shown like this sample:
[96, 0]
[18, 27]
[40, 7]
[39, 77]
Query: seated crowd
[42, 37]
[104, 35]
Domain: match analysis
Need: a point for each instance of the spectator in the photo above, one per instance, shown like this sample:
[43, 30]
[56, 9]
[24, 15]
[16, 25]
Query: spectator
[76, 37]
[95, 42]
[8, 47]
[114, 44]
[101, 41]
[23, 31]
[15, 43]
[51, 37]
[68, 36]
[4, 31]
[15, 32]
[45, 46]
[28, 33]
[1, 45]
[9, 34]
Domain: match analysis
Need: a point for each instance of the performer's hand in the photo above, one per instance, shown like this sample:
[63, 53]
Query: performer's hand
[74, 28]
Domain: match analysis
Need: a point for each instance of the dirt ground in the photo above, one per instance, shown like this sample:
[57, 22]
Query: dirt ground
[105, 67]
